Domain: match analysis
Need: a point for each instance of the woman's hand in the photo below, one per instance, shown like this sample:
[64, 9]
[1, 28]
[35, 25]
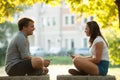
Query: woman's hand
[76, 55]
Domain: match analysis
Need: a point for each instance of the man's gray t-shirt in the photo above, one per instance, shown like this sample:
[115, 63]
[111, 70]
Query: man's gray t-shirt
[17, 49]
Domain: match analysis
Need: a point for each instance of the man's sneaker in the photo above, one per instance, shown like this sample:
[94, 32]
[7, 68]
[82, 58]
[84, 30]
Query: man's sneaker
[45, 71]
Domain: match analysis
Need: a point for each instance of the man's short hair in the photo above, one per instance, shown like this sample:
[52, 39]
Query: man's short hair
[24, 23]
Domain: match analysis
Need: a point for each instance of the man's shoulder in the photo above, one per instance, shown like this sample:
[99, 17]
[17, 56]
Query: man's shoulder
[19, 36]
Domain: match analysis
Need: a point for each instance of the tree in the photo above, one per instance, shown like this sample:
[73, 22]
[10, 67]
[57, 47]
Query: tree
[112, 36]
[118, 4]
[104, 11]
[9, 7]
[7, 30]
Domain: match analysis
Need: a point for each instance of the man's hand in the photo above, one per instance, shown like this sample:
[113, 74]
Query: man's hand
[72, 56]
[46, 63]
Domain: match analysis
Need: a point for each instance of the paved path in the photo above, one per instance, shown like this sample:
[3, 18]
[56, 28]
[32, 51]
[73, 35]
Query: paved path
[54, 70]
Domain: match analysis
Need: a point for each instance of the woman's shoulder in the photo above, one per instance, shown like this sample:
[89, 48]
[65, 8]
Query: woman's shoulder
[98, 39]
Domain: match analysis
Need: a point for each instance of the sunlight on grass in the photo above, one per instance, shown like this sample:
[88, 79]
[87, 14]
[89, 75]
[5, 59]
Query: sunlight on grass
[63, 69]
[115, 72]
[61, 64]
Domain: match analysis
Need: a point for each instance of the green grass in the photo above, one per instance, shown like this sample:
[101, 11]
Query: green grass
[62, 60]
[65, 60]
[115, 72]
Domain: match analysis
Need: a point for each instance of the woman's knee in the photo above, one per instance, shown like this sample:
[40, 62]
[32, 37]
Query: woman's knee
[37, 62]
[76, 60]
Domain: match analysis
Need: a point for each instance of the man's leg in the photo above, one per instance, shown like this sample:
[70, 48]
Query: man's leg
[37, 62]
[22, 68]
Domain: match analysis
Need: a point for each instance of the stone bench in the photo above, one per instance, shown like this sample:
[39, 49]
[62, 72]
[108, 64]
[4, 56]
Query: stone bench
[70, 77]
[42, 77]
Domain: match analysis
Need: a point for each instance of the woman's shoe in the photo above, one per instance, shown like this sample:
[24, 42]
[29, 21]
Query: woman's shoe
[73, 72]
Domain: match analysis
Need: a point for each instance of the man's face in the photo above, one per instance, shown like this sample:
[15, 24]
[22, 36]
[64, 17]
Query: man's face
[30, 28]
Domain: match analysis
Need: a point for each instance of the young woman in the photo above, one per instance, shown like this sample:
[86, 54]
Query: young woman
[98, 63]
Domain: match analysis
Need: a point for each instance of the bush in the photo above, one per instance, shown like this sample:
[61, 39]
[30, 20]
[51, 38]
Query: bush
[114, 46]
[2, 56]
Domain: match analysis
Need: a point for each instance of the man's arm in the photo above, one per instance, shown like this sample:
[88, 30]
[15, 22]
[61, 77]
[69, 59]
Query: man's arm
[23, 47]
[27, 58]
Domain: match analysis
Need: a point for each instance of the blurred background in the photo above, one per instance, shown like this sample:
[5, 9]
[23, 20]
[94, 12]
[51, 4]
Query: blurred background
[59, 28]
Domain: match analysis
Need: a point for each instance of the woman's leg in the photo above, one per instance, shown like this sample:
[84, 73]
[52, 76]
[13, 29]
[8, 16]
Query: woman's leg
[85, 66]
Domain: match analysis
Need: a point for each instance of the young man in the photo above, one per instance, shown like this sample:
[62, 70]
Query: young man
[18, 59]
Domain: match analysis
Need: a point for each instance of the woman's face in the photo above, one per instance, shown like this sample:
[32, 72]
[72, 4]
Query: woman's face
[87, 30]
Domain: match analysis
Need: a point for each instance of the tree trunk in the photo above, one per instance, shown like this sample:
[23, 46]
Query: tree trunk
[118, 4]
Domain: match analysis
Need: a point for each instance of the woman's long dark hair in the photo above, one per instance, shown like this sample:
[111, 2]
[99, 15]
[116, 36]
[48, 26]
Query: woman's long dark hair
[94, 32]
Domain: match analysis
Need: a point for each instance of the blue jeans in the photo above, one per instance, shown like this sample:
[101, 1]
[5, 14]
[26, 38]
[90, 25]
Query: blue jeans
[103, 67]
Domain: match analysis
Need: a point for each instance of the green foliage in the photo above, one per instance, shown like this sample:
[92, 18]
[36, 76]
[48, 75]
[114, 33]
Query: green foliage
[7, 30]
[105, 12]
[9, 7]
[2, 56]
[113, 39]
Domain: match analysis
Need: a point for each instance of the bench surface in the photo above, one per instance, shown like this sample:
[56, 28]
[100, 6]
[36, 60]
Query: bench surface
[70, 77]
[41, 77]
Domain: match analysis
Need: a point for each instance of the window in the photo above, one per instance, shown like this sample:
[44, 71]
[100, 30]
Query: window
[48, 21]
[66, 20]
[72, 19]
[49, 44]
[42, 22]
[85, 42]
[58, 42]
[72, 44]
[66, 43]
[54, 21]
[85, 20]
[91, 17]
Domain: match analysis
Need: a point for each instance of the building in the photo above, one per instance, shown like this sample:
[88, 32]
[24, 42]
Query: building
[56, 27]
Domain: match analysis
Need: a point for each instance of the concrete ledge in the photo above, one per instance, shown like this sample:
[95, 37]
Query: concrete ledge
[70, 77]
[41, 77]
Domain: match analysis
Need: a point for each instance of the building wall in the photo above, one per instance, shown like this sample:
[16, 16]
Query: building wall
[56, 27]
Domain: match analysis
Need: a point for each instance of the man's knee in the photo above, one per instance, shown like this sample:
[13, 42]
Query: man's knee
[37, 62]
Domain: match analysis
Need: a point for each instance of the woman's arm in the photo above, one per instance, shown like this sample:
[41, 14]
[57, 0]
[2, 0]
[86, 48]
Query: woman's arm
[98, 53]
